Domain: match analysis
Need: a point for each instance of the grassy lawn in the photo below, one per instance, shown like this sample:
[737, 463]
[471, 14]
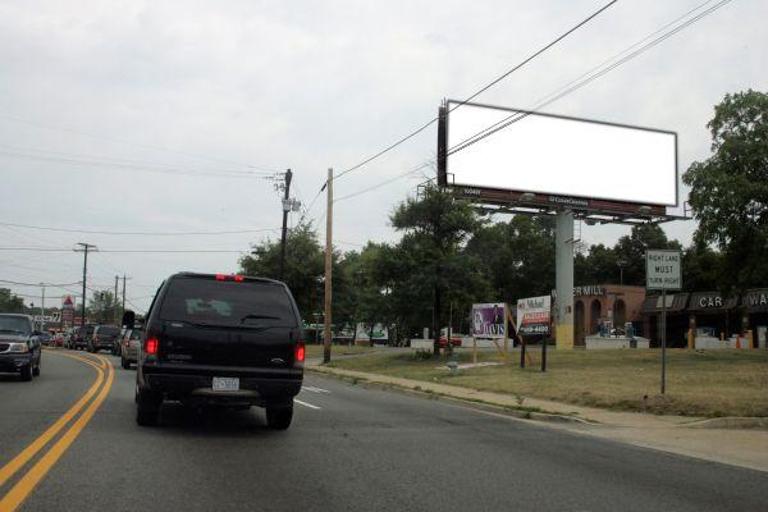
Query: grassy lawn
[317, 350]
[713, 383]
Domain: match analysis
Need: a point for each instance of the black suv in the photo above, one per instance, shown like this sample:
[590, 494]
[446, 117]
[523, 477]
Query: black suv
[104, 336]
[20, 349]
[214, 339]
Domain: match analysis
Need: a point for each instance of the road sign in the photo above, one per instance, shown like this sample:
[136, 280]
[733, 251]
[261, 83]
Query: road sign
[663, 270]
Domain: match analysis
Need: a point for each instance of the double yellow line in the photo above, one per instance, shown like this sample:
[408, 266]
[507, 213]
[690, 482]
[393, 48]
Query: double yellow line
[105, 374]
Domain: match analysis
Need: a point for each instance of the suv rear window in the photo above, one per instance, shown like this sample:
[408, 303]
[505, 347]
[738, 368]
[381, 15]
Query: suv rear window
[108, 330]
[227, 303]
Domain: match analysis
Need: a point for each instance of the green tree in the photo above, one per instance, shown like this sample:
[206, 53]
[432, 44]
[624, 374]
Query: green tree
[102, 307]
[517, 256]
[10, 303]
[702, 268]
[630, 251]
[304, 266]
[729, 190]
[436, 226]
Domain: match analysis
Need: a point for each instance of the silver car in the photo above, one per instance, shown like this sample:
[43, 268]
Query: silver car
[129, 347]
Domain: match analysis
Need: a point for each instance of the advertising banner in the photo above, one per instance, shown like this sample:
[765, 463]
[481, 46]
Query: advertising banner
[533, 315]
[488, 320]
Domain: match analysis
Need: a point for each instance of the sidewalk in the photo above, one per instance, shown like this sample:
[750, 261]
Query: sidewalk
[723, 440]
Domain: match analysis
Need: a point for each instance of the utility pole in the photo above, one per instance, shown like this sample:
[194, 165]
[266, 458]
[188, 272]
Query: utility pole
[328, 269]
[114, 301]
[84, 248]
[123, 308]
[42, 309]
[286, 209]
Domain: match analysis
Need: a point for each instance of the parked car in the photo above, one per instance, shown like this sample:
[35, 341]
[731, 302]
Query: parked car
[221, 340]
[58, 340]
[103, 337]
[20, 348]
[129, 347]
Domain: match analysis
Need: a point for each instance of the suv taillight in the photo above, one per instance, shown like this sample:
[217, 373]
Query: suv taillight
[151, 346]
[300, 352]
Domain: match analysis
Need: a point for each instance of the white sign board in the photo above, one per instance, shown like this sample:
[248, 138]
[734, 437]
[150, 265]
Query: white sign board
[663, 270]
[547, 154]
[533, 315]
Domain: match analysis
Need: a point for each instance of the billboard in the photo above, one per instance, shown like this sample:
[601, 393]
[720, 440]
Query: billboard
[488, 320]
[565, 160]
[534, 315]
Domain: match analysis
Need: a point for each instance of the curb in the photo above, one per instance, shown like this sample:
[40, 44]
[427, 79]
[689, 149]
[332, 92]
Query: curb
[416, 390]
[730, 422]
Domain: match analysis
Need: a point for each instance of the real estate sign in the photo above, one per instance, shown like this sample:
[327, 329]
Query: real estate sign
[533, 315]
[488, 320]
[663, 270]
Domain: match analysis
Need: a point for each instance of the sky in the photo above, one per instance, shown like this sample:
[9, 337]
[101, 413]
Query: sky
[175, 116]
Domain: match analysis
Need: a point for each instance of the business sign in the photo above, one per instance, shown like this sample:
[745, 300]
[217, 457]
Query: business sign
[488, 320]
[562, 161]
[663, 270]
[534, 315]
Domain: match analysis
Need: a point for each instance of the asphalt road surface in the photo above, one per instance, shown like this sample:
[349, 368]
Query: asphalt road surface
[350, 448]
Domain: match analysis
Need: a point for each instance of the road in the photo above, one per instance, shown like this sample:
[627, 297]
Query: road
[350, 448]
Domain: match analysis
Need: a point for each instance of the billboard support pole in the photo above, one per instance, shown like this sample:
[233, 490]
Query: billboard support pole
[543, 355]
[564, 279]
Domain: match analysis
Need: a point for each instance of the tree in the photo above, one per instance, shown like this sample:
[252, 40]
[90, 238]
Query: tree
[10, 303]
[702, 268]
[304, 266]
[103, 306]
[517, 256]
[729, 190]
[630, 251]
[436, 225]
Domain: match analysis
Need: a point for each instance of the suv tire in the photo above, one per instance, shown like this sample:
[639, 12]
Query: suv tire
[147, 408]
[279, 417]
[26, 373]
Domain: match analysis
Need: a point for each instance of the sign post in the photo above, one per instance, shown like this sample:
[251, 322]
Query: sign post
[534, 318]
[663, 271]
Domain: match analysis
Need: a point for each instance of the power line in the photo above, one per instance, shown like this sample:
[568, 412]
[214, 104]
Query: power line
[134, 144]
[591, 75]
[386, 182]
[142, 168]
[479, 91]
[138, 251]
[39, 285]
[135, 233]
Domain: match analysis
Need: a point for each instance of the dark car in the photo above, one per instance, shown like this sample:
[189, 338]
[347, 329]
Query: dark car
[81, 336]
[221, 340]
[20, 349]
[103, 337]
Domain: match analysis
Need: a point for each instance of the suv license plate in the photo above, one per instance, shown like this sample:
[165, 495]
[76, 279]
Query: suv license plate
[226, 384]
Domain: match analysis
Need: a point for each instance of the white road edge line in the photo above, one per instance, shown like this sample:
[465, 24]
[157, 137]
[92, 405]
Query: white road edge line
[305, 404]
[314, 389]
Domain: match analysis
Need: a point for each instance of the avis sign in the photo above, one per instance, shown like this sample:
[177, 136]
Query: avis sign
[663, 270]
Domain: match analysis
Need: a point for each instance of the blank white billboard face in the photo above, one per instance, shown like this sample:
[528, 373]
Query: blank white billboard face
[562, 156]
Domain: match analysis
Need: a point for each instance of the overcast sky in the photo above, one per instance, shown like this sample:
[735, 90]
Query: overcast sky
[163, 116]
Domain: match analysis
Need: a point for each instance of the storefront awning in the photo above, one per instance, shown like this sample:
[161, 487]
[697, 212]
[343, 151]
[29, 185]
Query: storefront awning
[756, 301]
[676, 302]
[702, 302]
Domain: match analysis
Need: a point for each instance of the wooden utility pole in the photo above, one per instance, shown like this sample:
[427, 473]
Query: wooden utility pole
[327, 335]
[84, 248]
[286, 209]
[114, 300]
